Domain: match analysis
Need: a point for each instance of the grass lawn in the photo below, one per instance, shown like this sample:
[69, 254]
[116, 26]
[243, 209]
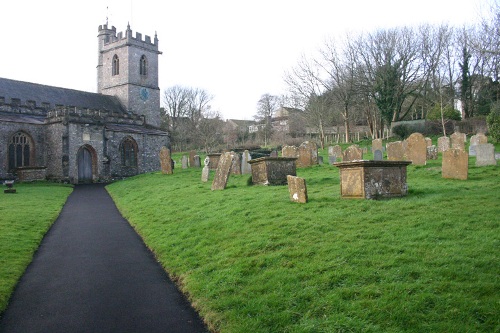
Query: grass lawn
[25, 217]
[252, 261]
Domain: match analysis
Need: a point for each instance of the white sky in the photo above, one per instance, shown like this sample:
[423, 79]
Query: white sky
[235, 50]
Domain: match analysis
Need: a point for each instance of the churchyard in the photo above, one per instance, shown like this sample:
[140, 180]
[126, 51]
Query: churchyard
[251, 260]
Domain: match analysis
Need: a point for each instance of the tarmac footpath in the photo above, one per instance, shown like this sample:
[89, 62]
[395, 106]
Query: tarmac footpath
[93, 273]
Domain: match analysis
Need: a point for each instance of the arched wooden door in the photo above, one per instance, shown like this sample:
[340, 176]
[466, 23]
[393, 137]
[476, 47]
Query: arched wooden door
[84, 165]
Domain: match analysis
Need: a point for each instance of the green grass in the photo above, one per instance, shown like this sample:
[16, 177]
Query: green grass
[252, 261]
[25, 217]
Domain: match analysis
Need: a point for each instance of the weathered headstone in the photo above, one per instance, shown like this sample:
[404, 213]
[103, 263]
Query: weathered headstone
[352, 153]
[458, 140]
[165, 161]
[336, 151]
[196, 161]
[308, 154]
[320, 159]
[236, 166]
[475, 140]
[192, 154]
[485, 154]
[245, 167]
[443, 144]
[184, 161]
[378, 155]
[377, 145]
[395, 151]
[428, 141]
[332, 159]
[297, 189]
[432, 152]
[416, 151]
[205, 173]
[455, 164]
[223, 171]
[214, 160]
[289, 151]
[274, 153]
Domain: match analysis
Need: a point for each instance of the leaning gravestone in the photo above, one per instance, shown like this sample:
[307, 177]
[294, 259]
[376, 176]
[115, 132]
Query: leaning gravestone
[485, 154]
[378, 155]
[443, 144]
[165, 161]
[395, 151]
[223, 171]
[416, 151]
[475, 140]
[458, 140]
[246, 168]
[455, 164]
[205, 173]
[297, 189]
[236, 166]
[432, 152]
[377, 145]
[352, 153]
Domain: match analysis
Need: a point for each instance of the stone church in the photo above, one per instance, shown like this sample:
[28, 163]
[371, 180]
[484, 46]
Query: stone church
[79, 137]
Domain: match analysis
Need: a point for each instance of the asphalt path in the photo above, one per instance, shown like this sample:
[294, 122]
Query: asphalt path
[93, 273]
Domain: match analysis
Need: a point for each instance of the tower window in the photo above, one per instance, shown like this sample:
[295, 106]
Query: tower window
[143, 66]
[20, 150]
[116, 65]
[129, 152]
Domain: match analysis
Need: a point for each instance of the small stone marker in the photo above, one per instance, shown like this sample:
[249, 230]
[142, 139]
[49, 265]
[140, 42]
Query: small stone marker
[205, 173]
[297, 189]
[416, 151]
[197, 161]
[352, 153]
[165, 161]
[432, 152]
[377, 145]
[455, 164]
[443, 144]
[378, 155]
[236, 166]
[458, 140]
[320, 159]
[485, 154]
[184, 161]
[223, 171]
[395, 151]
[245, 167]
[475, 140]
[10, 187]
[192, 154]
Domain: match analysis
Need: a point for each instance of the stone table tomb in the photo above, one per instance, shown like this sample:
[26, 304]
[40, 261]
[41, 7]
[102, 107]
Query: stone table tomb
[272, 170]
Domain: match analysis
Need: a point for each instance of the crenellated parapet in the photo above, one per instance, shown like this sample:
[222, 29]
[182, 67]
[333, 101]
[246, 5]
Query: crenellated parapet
[111, 38]
[17, 106]
[63, 113]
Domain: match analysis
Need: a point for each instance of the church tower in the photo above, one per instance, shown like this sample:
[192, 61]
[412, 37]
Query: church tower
[127, 68]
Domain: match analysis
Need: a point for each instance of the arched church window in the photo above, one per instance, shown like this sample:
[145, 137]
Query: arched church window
[116, 65]
[129, 152]
[143, 69]
[20, 150]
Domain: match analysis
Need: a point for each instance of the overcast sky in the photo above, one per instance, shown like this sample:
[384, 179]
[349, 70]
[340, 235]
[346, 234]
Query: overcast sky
[235, 50]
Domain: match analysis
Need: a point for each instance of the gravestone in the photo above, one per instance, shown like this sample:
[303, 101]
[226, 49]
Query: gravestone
[455, 164]
[475, 140]
[377, 145]
[184, 161]
[428, 141]
[395, 151]
[165, 161]
[205, 173]
[274, 153]
[443, 144]
[297, 189]
[214, 160]
[336, 151]
[197, 161]
[236, 166]
[223, 171]
[485, 154]
[378, 155]
[416, 151]
[332, 159]
[320, 159]
[289, 151]
[192, 154]
[458, 140]
[272, 170]
[432, 152]
[352, 153]
[308, 154]
[245, 166]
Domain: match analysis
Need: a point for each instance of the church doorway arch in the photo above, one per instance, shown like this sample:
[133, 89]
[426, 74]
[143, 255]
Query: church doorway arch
[86, 162]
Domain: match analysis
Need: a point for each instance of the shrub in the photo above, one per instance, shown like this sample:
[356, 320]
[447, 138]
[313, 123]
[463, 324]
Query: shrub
[401, 131]
[448, 113]
[493, 121]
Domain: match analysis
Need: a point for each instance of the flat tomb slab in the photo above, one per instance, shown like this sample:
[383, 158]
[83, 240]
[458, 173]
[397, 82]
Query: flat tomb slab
[272, 170]
[373, 179]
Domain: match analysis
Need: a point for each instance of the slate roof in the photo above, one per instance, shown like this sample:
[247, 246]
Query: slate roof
[22, 118]
[27, 91]
[134, 129]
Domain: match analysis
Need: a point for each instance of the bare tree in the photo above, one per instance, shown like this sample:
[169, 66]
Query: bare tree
[266, 106]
